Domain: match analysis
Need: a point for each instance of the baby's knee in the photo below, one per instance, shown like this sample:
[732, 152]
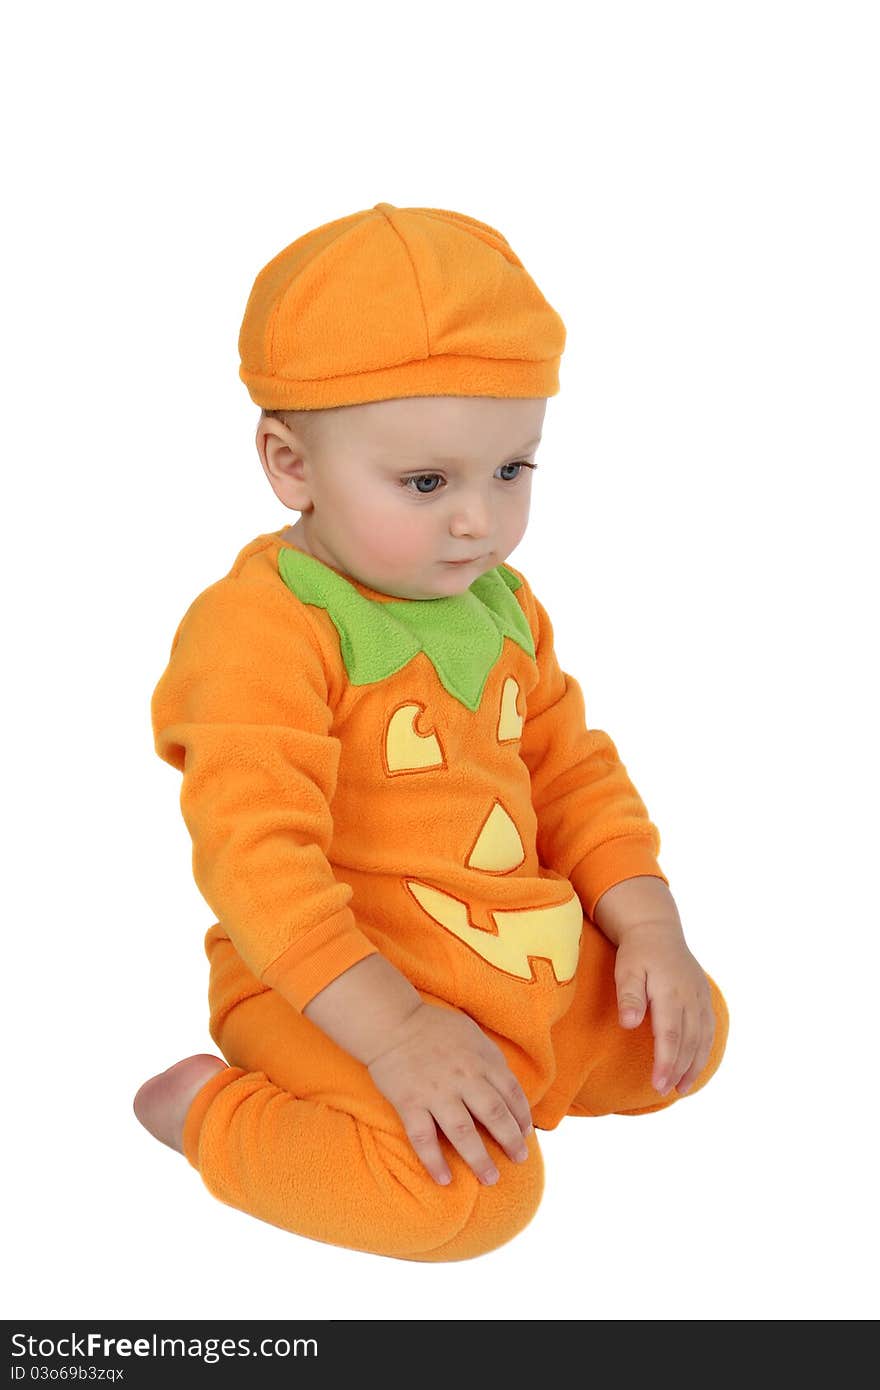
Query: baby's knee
[465, 1218]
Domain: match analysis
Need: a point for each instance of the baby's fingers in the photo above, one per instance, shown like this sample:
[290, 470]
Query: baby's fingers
[687, 1049]
[632, 997]
[701, 1056]
[460, 1130]
[517, 1100]
[422, 1134]
[485, 1101]
[667, 1022]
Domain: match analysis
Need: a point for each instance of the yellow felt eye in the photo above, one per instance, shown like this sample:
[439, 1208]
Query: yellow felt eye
[510, 722]
[406, 750]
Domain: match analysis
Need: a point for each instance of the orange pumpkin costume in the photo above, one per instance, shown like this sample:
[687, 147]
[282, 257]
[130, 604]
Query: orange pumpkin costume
[363, 772]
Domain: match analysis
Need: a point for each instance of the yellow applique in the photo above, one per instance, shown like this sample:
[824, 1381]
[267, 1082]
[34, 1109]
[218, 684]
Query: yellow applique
[550, 933]
[509, 722]
[531, 933]
[498, 848]
[406, 750]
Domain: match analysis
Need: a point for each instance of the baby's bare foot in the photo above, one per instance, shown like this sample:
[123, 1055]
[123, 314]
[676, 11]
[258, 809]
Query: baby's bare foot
[162, 1103]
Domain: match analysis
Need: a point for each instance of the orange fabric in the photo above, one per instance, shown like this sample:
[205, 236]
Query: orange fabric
[295, 1133]
[256, 709]
[475, 874]
[397, 302]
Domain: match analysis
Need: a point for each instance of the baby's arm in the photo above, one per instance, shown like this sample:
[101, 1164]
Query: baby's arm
[242, 710]
[434, 1064]
[655, 968]
[594, 829]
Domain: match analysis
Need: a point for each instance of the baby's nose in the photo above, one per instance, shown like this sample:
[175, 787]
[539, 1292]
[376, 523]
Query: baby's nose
[472, 516]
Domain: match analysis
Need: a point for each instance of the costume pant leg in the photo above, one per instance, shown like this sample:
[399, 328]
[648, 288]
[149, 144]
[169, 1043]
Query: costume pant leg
[296, 1134]
[618, 1078]
[603, 1069]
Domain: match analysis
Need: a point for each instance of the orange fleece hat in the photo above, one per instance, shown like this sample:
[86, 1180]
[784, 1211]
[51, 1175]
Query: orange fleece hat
[397, 302]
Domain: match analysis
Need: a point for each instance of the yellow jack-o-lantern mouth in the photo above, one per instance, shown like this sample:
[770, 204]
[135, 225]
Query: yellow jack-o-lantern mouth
[548, 933]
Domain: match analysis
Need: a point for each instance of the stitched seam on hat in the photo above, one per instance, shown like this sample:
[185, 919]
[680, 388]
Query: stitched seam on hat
[277, 309]
[416, 278]
[257, 377]
[444, 214]
[505, 249]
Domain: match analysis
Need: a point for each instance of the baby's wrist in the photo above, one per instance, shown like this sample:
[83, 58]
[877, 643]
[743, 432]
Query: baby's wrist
[363, 1008]
[395, 1034]
[642, 901]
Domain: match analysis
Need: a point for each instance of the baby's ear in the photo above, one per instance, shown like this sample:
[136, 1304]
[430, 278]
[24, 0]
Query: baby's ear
[283, 463]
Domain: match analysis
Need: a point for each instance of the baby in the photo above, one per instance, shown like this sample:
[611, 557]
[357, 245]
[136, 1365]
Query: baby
[441, 920]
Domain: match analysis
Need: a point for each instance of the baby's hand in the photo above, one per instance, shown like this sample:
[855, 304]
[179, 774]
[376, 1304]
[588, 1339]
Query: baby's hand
[441, 1069]
[654, 967]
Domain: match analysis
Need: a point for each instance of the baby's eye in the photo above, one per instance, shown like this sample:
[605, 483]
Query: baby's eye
[518, 467]
[418, 478]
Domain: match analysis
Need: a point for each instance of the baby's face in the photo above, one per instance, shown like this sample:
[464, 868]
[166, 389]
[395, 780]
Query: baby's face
[395, 492]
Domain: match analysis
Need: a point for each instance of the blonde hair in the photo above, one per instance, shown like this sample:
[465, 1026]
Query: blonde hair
[300, 421]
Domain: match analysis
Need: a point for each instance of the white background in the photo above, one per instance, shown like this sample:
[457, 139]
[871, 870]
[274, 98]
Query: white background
[694, 186]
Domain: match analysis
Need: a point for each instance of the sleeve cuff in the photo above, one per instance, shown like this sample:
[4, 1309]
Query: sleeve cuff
[611, 863]
[311, 962]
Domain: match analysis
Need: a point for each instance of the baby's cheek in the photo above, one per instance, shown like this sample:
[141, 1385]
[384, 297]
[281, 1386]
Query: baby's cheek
[392, 542]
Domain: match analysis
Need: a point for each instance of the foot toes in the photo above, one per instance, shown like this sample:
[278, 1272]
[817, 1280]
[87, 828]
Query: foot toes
[161, 1104]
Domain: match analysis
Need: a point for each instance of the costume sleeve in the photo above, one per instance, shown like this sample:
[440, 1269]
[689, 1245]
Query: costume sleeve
[593, 827]
[242, 711]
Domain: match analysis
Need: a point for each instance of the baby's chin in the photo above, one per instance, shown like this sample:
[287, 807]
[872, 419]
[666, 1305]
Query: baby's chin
[452, 579]
[431, 579]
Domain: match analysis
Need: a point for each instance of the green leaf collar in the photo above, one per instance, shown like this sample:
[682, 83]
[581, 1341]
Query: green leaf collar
[462, 635]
